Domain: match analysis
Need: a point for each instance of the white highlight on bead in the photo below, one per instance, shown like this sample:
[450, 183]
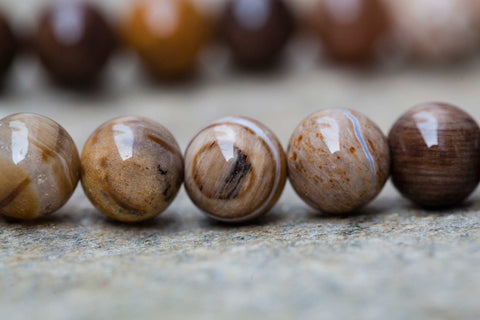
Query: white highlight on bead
[123, 136]
[278, 166]
[358, 134]
[19, 140]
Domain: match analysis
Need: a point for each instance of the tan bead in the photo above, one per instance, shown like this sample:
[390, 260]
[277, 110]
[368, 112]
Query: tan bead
[235, 169]
[338, 160]
[132, 168]
[39, 166]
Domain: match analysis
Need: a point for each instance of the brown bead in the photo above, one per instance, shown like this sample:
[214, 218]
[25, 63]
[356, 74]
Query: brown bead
[8, 47]
[39, 166]
[168, 35]
[435, 151]
[338, 160]
[257, 31]
[351, 30]
[235, 169]
[74, 42]
[132, 168]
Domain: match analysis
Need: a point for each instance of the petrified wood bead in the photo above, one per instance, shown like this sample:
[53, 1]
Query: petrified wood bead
[168, 35]
[235, 169]
[257, 31]
[132, 168]
[338, 160]
[435, 150]
[74, 42]
[39, 166]
[351, 30]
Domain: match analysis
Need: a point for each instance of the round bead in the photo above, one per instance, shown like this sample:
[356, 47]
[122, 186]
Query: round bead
[132, 168]
[256, 31]
[168, 35]
[39, 166]
[235, 169]
[8, 46]
[435, 150]
[338, 160]
[437, 31]
[74, 42]
[351, 30]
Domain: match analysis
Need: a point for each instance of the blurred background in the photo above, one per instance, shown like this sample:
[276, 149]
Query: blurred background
[377, 57]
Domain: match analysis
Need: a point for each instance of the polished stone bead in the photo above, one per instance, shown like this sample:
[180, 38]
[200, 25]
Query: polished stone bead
[257, 31]
[235, 169]
[435, 150]
[39, 166]
[132, 168]
[338, 160]
[351, 30]
[167, 35]
[436, 31]
[74, 42]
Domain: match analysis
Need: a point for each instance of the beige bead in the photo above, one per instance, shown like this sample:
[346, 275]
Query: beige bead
[235, 169]
[39, 166]
[338, 160]
[437, 30]
[132, 168]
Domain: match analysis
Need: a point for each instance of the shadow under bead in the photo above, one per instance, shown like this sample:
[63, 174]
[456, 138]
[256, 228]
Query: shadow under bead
[8, 47]
[235, 169]
[435, 150]
[74, 42]
[338, 160]
[351, 30]
[167, 35]
[257, 31]
[39, 166]
[132, 168]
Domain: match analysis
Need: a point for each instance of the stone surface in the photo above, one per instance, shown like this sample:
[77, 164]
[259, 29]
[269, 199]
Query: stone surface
[393, 261]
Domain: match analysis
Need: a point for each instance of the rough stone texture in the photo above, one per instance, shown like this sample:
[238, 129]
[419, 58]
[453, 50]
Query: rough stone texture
[391, 261]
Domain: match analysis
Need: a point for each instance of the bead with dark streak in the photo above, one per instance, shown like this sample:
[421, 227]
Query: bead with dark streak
[39, 166]
[435, 151]
[235, 169]
[132, 168]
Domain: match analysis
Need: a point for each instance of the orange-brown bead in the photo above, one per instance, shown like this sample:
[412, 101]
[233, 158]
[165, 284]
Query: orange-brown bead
[168, 35]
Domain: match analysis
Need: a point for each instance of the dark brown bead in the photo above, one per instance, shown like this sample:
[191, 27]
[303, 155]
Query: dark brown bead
[8, 46]
[350, 30]
[256, 31]
[74, 41]
[435, 150]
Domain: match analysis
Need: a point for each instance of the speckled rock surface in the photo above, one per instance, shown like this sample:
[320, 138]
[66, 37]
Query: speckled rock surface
[390, 261]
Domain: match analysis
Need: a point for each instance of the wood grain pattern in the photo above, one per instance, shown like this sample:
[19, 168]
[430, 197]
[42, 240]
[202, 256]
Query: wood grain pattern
[435, 151]
[338, 160]
[235, 169]
[132, 168]
[39, 166]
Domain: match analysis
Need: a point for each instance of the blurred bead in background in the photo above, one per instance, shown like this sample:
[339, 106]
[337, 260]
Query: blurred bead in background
[8, 47]
[350, 30]
[74, 42]
[257, 31]
[167, 35]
